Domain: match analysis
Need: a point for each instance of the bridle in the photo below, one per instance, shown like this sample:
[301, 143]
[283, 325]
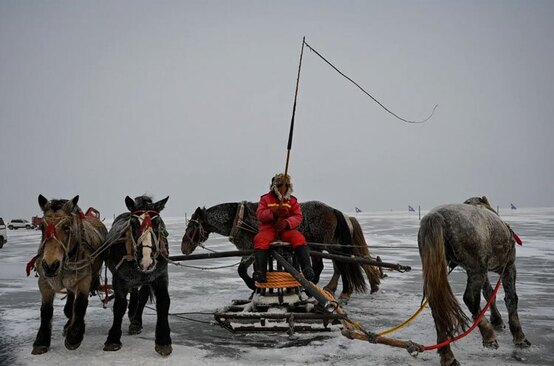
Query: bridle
[145, 229]
[198, 228]
[51, 234]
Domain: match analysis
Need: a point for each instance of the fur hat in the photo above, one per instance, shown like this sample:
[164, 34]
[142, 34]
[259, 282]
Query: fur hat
[278, 180]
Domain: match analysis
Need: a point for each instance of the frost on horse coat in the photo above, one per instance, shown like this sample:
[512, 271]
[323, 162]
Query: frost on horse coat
[476, 239]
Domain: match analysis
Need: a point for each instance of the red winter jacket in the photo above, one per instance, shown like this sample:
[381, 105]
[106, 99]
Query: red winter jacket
[265, 215]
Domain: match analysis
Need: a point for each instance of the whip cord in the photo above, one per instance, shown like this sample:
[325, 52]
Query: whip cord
[366, 93]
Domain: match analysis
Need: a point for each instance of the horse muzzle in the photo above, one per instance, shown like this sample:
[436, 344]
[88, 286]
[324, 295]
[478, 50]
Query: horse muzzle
[51, 270]
[147, 266]
[187, 246]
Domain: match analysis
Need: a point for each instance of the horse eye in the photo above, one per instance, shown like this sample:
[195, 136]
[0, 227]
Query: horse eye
[66, 228]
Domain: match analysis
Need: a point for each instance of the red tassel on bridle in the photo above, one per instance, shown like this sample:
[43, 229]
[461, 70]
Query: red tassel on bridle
[517, 239]
[146, 223]
[50, 232]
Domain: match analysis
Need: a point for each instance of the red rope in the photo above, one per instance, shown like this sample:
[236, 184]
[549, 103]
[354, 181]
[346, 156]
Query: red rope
[477, 321]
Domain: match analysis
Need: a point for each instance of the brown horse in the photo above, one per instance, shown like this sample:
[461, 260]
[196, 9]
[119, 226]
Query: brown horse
[472, 236]
[335, 231]
[66, 259]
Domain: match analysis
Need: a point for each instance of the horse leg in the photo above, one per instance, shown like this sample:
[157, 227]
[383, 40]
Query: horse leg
[445, 353]
[333, 282]
[113, 343]
[163, 338]
[317, 265]
[42, 341]
[133, 303]
[472, 298]
[496, 318]
[68, 310]
[511, 300]
[346, 291]
[140, 302]
[243, 272]
[76, 330]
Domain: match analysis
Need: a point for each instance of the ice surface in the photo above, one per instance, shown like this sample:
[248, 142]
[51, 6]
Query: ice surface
[196, 293]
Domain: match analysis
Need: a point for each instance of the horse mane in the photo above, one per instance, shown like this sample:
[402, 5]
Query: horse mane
[480, 201]
[119, 226]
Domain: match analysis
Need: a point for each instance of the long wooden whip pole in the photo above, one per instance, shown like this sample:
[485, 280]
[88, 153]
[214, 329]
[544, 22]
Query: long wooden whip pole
[289, 145]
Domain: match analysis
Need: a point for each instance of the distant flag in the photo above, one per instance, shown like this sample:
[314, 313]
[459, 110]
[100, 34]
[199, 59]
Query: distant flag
[357, 210]
[512, 206]
[410, 209]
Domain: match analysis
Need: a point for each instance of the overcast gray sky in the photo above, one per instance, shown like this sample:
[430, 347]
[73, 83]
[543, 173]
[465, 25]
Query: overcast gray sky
[193, 99]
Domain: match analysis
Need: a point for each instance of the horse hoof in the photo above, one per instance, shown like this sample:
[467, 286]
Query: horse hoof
[491, 344]
[343, 302]
[112, 346]
[453, 363]
[39, 350]
[374, 289]
[523, 344]
[70, 346]
[164, 350]
[135, 329]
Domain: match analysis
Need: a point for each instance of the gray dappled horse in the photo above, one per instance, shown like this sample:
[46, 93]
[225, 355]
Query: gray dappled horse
[472, 236]
[321, 224]
[137, 257]
[66, 259]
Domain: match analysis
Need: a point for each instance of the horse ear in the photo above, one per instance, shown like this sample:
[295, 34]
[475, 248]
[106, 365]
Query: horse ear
[130, 203]
[70, 205]
[158, 206]
[485, 200]
[43, 203]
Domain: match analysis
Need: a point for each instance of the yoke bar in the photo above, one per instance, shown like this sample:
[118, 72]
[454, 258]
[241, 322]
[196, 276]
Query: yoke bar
[232, 253]
[362, 260]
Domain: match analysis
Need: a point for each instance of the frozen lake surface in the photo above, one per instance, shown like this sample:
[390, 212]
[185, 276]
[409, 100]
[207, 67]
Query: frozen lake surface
[196, 293]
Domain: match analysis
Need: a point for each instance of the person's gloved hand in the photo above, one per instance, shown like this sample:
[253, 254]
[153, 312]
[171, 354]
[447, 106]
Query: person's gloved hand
[282, 211]
[281, 225]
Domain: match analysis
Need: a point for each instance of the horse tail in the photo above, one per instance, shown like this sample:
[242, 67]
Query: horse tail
[361, 249]
[350, 272]
[449, 317]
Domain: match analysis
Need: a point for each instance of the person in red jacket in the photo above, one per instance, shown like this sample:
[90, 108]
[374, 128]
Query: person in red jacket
[279, 216]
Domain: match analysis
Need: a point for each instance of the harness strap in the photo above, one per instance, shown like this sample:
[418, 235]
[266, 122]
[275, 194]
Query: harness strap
[236, 222]
[129, 244]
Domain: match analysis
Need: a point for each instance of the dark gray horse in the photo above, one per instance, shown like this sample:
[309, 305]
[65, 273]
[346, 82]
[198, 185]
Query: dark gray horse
[137, 257]
[321, 224]
[473, 237]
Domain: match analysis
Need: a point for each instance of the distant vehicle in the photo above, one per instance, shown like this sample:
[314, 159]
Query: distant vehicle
[19, 224]
[35, 221]
[3, 234]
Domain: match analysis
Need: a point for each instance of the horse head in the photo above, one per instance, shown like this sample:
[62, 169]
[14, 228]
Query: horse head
[147, 230]
[61, 233]
[480, 201]
[196, 232]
